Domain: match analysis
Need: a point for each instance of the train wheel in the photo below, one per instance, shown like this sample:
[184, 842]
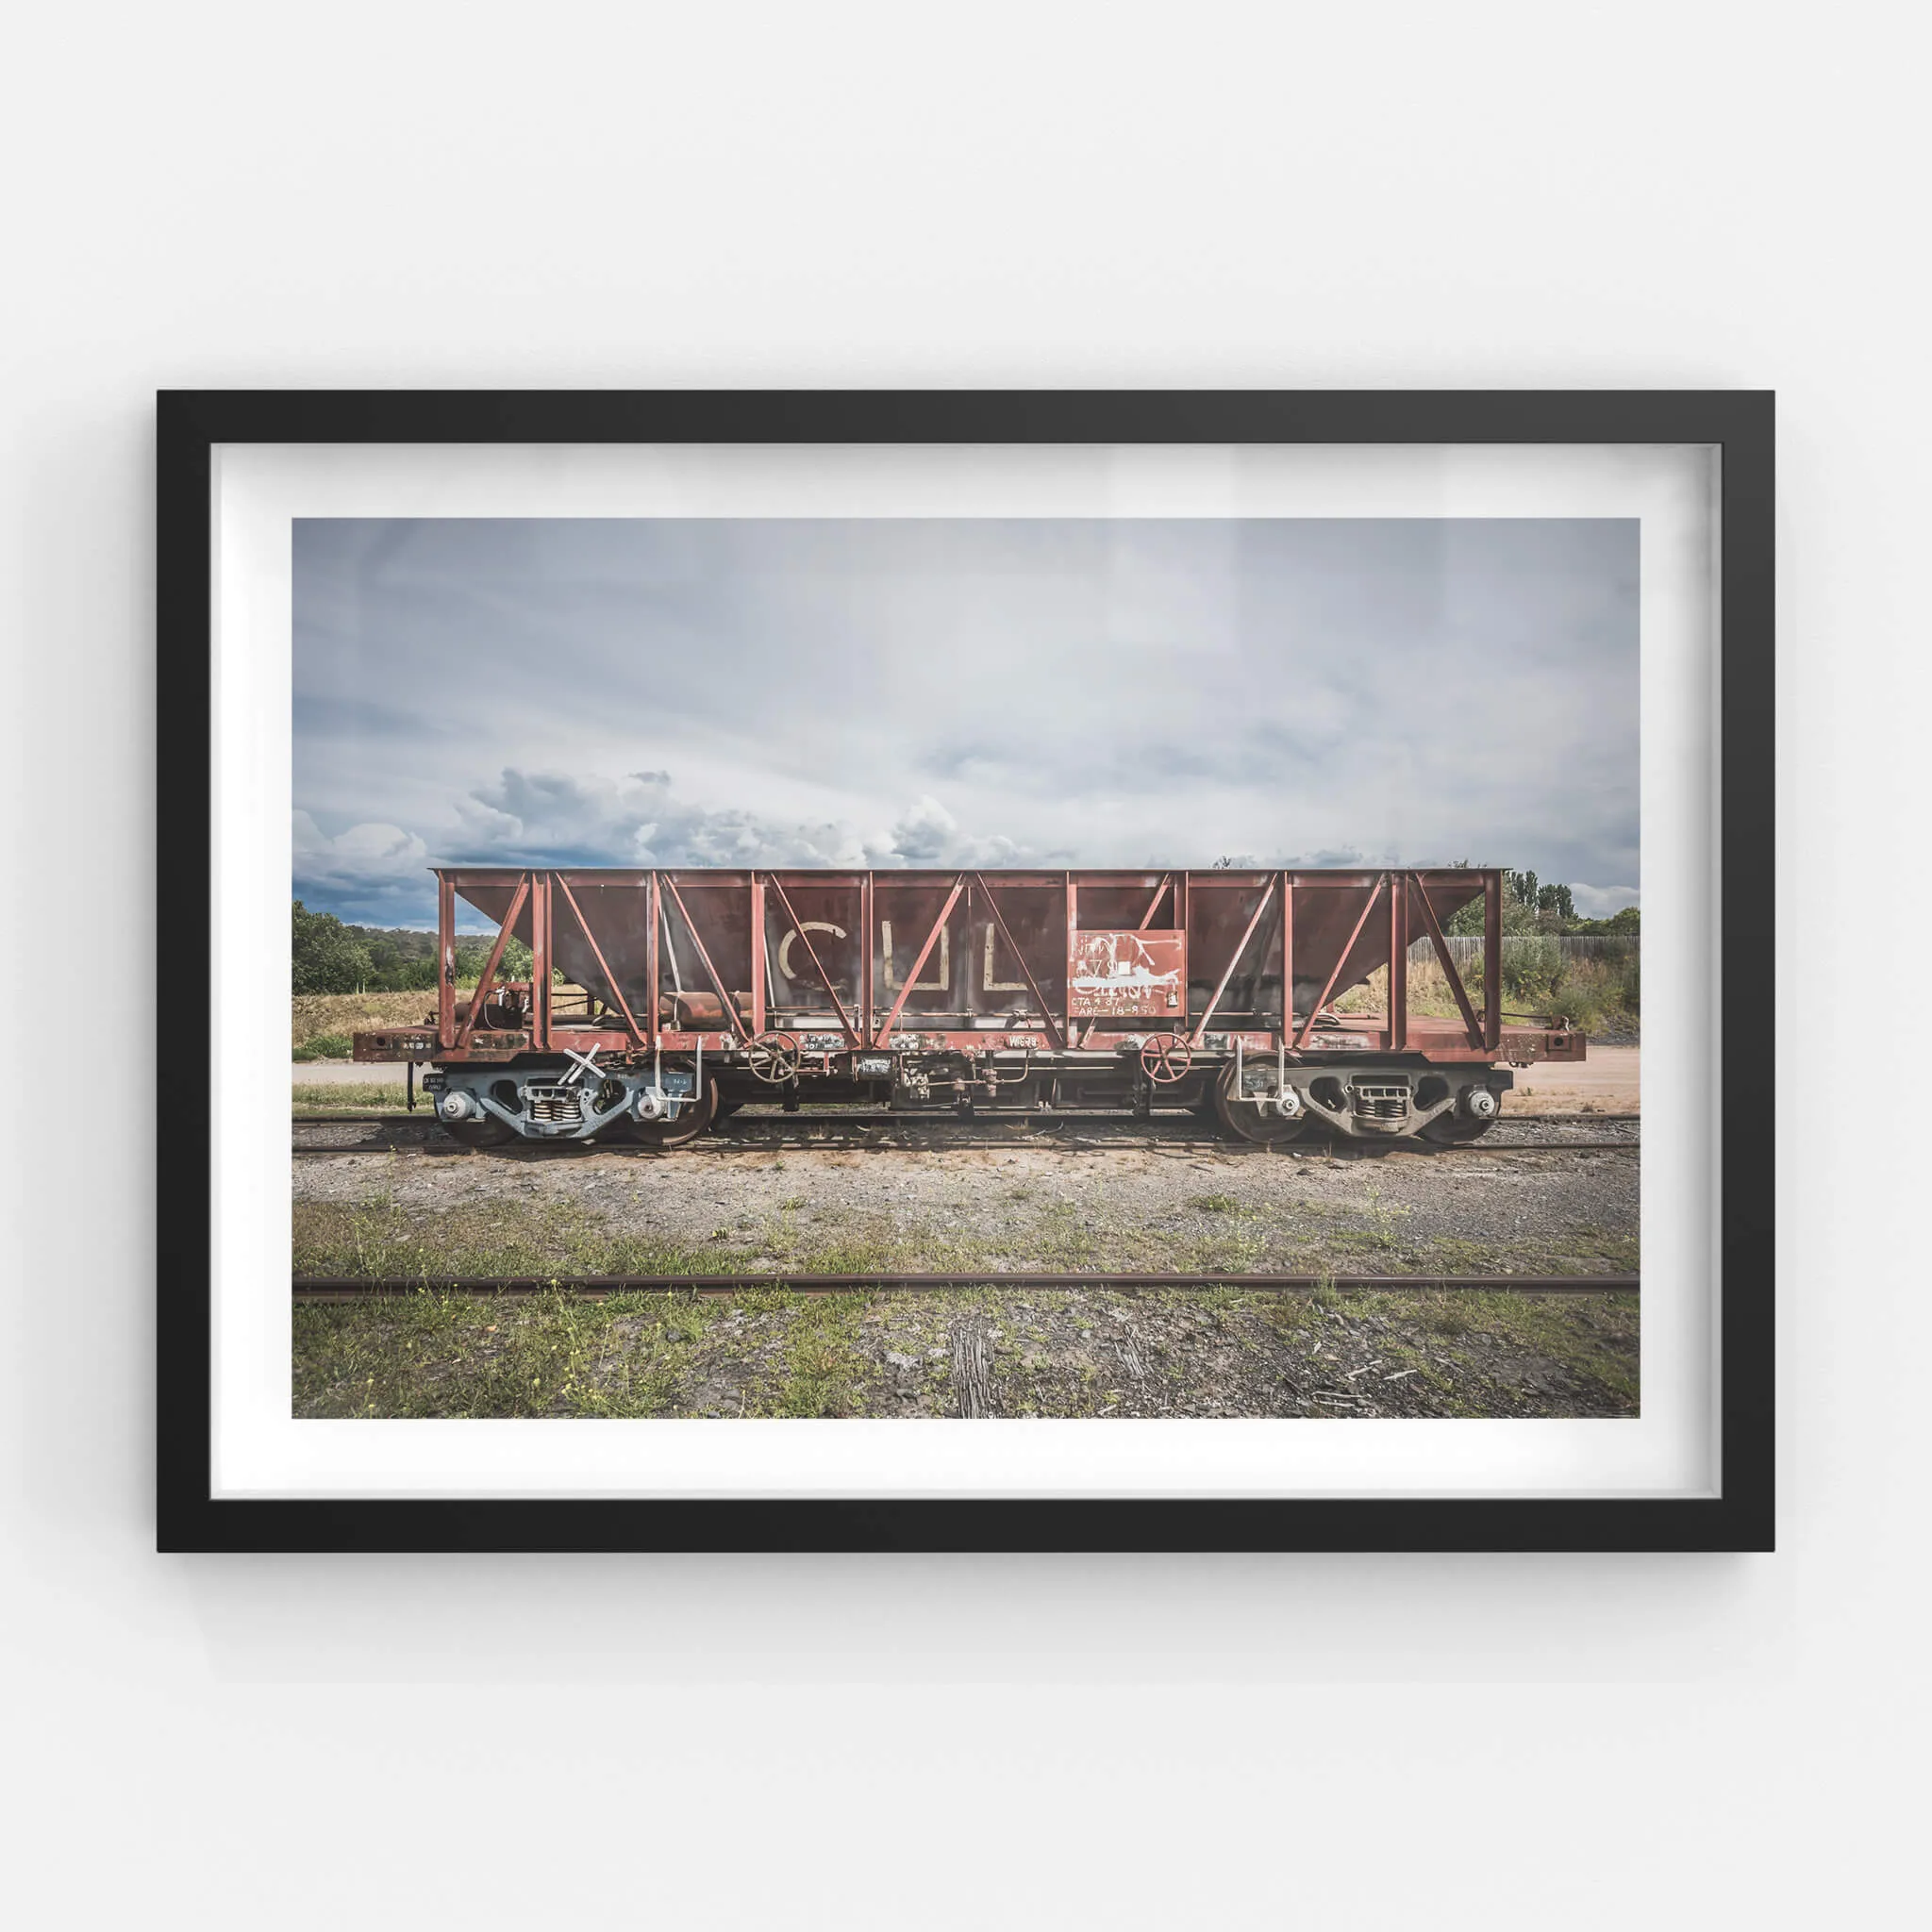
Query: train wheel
[488, 1132]
[1451, 1130]
[1247, 1122]
[691, 1120]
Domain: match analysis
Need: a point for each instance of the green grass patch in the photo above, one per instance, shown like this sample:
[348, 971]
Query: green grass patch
[517, 1237]
[780, 1354]
[352, 1096]
[824, 1374]
[453, 1356]
[376, 1237]
[323, 1046]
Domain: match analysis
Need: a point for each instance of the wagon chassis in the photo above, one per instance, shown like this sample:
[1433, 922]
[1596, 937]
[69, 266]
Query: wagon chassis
[685, 1006]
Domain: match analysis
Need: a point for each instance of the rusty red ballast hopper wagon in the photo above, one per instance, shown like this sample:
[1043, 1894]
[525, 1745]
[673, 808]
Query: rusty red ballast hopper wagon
[659, 1000]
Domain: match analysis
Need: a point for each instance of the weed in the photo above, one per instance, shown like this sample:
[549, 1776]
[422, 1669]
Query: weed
[1214, 1204]
[824, 1374]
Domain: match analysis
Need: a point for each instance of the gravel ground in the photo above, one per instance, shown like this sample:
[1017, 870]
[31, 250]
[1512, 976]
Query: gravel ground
[1101, 1196]
[1114, 1206]
[997, 1352]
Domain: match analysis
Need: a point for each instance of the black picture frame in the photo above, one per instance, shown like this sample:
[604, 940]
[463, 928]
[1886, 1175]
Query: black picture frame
[194, 423]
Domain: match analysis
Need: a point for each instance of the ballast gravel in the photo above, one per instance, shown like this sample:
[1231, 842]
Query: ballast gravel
[1121, 1207]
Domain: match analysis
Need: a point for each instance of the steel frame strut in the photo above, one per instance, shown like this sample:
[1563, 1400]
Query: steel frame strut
[570, 899]
[1234, 959]
[812, 953]
[1340, 961]
[725, 999]
[480, 998]
[1471, 1025]
[906, 984]
[999, 918]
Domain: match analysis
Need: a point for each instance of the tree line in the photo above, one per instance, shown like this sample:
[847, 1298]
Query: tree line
[1533, 905]
[330, 957]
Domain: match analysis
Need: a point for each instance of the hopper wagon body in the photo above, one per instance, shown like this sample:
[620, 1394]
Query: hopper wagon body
[659, 1000]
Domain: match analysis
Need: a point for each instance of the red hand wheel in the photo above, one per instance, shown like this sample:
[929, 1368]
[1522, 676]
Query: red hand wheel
[1165, 1057]
[773, 1058]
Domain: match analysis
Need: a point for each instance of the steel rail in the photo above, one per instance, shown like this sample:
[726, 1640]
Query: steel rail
[321, 1288]
[1241, 1149]
[901, 1139]
[886, 1140]
[426, 1117]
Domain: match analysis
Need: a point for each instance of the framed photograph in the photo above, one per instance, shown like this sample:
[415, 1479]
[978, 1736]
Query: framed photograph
[965, 970]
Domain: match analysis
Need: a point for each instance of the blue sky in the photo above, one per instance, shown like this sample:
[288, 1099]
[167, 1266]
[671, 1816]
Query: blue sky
[892, 692]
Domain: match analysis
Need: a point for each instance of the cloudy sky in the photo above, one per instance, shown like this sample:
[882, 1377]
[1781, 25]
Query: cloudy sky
[896, 692]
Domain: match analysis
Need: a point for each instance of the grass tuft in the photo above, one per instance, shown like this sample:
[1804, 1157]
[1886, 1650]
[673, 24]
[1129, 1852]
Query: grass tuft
[1214, 1204]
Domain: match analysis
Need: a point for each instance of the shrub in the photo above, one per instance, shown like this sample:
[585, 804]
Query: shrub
[1595, 995]
[327, 957]
[1532, 969]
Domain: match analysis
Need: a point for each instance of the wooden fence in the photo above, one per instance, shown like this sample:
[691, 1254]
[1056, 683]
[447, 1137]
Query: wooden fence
[1468, 952]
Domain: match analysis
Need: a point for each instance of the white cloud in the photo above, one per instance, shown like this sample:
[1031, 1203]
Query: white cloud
[554, 818]
[361, 857]
[929, 835]
[974, 691]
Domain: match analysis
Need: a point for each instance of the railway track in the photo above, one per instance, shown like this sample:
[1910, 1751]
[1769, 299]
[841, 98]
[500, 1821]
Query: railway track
[806, 1132]
[423, 1117]
[597, 1286]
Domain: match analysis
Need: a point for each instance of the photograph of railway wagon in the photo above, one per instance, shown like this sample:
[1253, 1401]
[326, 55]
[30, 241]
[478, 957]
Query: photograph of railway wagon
[966, 967]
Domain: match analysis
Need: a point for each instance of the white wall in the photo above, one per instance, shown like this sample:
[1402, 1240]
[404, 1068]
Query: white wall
[891, 196]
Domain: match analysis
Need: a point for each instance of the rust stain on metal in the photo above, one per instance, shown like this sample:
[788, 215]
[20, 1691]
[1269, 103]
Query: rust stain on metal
[1120, 974]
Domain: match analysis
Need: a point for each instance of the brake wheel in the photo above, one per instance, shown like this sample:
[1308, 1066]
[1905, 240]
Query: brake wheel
[1165, 1058]
[773, 1059]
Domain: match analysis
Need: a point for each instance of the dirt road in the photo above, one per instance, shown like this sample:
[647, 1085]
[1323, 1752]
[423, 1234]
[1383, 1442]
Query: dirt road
[1607, 1082]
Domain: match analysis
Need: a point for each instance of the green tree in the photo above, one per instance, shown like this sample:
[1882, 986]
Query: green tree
[1528, 905]
[327, 957]
[474, 954]
[1628, 921]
